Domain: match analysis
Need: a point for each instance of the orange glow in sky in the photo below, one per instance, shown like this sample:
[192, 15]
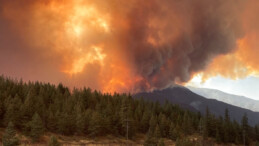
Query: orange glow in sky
[128, 46]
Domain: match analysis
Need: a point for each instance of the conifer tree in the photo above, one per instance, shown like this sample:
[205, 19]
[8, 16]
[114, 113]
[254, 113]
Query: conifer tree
[164, 125]
[186, 123]
[236, 132]
[124, 115]
[145, 121]
[227, 119]
[245, 127]
[157, 132]
[173, 133]
[95, 126]
[53, 141]
[131, 123]
[152, 123]
[9, 137]
[108, 116]
[206, 123]
[139, 112]
[13, 111]
[51, 121]
[29, 104]
[161, 142]
[218, 137]
[1, 111]
[257, 132]
[226, 127]
[80, 122]
[205, 129]
[150, 139]
[37, 127]
[245, 122]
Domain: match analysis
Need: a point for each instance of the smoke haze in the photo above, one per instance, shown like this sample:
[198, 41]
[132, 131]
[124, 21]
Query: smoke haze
[132, 45]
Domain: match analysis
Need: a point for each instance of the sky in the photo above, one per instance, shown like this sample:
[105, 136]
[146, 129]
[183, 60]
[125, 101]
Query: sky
[247, 86]
[132, 46]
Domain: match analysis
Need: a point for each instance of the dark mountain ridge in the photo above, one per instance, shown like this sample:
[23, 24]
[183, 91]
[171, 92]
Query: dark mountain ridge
[187, 99]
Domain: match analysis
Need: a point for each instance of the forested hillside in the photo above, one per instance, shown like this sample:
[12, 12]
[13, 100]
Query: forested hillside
[188, 100]
[34, 108]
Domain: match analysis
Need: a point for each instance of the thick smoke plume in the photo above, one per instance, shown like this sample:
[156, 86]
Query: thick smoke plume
[116, 45]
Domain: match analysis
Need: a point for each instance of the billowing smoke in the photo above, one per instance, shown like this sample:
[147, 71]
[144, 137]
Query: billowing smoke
[116, 45]
[244, 60]
[175, 39]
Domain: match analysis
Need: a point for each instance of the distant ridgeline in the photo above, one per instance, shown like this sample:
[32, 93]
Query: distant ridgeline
[35, 108]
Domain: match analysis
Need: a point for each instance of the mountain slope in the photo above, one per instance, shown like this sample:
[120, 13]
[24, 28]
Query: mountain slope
[187, 99]
[236, 100]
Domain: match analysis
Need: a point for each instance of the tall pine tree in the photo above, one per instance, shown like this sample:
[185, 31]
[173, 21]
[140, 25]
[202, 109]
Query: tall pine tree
[9, 137]
[37, 127]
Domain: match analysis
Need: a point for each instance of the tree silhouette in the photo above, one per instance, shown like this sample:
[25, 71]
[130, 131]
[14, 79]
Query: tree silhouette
[9, 137]
[53, 141]
[37, 128]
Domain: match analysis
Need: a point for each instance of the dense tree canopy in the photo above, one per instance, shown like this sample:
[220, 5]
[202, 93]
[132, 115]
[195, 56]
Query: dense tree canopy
[35, 108]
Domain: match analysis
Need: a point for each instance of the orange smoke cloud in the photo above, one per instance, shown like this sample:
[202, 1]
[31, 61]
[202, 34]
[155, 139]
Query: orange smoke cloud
[125, 46]
[244, 60]
[76, 35]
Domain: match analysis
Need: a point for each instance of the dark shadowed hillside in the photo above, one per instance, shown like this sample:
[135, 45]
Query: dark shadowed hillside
[187, 99]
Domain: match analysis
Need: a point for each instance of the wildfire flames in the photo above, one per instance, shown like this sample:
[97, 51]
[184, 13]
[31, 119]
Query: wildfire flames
[132, 45]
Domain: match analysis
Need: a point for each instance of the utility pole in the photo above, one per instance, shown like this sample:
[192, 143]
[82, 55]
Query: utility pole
[127, 129]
